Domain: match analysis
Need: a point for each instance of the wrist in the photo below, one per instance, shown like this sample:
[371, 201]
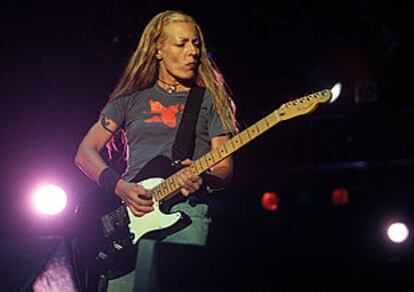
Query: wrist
[118, 187]
[108, 180]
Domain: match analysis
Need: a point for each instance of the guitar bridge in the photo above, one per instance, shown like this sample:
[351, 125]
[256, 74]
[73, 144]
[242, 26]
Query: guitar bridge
[115, 221]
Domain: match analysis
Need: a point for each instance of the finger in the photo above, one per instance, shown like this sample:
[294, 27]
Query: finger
[194, 178]
[187, 162]
[134, 206]
[189, 181]
[182, 184]
[140, 189]
[185, 192]
[145, 209]
[143, 193]
[143, 201]
[192, 182]
[186, 183]
[135, 211]
[145, 196]
[141, 206]
[180, 179]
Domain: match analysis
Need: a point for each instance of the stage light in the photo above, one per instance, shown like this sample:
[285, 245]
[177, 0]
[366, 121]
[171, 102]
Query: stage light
[397, 232]
[336, 91]
[340, 196]
[270, 201]
[50, 199]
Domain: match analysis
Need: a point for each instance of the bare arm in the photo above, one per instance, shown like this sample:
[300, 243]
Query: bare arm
[89, 160]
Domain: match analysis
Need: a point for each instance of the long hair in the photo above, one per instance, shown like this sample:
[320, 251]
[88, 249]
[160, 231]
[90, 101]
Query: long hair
[142, 69]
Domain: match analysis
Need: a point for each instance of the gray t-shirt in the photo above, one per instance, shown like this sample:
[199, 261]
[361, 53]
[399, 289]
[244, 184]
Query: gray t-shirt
[151, 118]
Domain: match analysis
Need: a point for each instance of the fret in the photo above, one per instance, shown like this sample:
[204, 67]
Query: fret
[205, 162]
[247, 136]
[267, 122]
[165, 187]
[262, 128]
[201, 167]
[215, 155]
[248, 133]
[236, 142]
[253, 132]
[154, 194]
[174, 180]
[174, 183]
[232, 148]
[210, 159]
[197, 165]
[171, 183]
[225, 148]
[201, 163]
[193, 169]
[273, 119]
[159, 193]
[257, 128]
[217, 150]
[240, 139]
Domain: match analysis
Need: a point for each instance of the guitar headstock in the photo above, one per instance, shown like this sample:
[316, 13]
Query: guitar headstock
[303, 105]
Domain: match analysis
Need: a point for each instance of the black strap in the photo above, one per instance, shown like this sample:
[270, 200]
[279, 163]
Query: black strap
[184, 140]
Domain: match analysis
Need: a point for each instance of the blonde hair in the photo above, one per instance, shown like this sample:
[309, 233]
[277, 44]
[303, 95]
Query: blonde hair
[142, 69]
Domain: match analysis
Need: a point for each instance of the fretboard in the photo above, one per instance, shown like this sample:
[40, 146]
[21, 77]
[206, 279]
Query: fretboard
[170, 186]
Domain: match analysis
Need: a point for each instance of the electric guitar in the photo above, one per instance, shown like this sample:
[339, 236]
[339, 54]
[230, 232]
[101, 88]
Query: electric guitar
[119, 228]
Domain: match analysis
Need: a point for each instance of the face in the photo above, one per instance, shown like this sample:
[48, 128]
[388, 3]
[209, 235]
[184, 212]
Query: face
[178, 55]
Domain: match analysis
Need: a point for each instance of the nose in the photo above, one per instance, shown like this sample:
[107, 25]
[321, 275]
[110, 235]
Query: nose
[193, 50]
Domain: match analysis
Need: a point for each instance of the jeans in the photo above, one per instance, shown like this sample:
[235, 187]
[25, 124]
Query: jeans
[193, 230]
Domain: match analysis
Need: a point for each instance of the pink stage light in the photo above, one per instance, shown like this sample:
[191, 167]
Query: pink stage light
[50, 199]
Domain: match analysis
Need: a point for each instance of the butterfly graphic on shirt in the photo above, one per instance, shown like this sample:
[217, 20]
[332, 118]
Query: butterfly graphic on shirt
[164, 114]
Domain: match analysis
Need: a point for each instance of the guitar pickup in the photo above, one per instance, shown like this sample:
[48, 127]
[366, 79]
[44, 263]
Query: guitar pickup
[114, 221]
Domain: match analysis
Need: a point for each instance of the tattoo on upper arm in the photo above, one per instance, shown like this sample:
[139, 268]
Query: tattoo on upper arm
[105, 124]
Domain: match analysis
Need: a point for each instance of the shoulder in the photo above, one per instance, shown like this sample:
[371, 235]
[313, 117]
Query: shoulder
[129, 99]
[126, 96]
[207, 103]
[207, 97]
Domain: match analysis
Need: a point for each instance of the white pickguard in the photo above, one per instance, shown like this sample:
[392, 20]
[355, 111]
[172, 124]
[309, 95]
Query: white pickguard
[155, 220]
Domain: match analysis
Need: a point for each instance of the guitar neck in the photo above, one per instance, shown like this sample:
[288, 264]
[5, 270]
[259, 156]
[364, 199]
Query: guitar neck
[306, 104]
[170, 185]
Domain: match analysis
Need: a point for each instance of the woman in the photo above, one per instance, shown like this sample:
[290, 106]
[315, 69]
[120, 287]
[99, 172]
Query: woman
[147, 104]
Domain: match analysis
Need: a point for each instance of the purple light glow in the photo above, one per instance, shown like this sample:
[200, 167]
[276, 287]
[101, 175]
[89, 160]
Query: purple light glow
[49, 199]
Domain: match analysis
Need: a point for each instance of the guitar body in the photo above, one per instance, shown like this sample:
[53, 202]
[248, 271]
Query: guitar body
[107, 231]
[155, 220]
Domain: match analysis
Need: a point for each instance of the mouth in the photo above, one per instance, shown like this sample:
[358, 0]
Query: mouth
[190, 66]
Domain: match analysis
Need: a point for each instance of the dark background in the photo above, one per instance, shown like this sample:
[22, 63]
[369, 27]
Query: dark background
[60, 60]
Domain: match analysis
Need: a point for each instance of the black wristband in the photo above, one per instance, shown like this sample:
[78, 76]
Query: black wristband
[108, 179]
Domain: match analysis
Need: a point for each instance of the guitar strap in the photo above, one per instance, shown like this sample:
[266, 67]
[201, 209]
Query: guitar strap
[184, 140]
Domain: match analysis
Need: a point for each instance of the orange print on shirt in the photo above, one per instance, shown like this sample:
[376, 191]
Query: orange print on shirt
[162, 114]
